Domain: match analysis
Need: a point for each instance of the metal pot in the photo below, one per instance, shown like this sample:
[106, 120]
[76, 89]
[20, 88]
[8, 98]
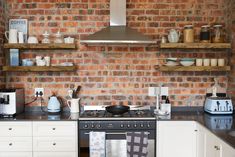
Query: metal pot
[117, 109]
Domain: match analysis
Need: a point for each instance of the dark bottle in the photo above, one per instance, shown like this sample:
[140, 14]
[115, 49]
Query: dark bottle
[205, 34]
[167, 100]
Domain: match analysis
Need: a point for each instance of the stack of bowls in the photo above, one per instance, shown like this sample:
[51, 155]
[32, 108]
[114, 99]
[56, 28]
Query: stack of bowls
[187, 61]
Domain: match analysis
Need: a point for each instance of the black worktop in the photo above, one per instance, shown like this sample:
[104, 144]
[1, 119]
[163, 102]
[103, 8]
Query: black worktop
[201, 117]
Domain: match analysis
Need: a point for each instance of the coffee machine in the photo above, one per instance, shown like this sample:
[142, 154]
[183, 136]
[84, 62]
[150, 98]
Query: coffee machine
[11, 102]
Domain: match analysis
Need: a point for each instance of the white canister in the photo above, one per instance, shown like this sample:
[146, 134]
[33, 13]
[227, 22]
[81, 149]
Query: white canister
[206, 62]
[221, 62]
[73, 105]
[21, 37]
[199, 62]
[11, 35]
[213, 62]
[48, 60]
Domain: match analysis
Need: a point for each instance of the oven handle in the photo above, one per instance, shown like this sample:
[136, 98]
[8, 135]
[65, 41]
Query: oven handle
[113, 133]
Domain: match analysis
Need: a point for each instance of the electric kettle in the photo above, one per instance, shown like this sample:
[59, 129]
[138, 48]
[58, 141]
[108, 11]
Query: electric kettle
[54, 104]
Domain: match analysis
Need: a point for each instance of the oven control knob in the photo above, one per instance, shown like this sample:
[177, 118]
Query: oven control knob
[98, 126]
[141, 125]
[92, 125]
[122, 125]
[128, 125]
[86, 126]
[135, 125]
[148, 125]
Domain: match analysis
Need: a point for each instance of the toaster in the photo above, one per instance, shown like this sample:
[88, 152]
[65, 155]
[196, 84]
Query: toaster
[11, 102]
[218, 105]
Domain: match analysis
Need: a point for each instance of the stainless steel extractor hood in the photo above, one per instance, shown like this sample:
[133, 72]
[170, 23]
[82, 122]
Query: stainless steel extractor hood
[117, 32]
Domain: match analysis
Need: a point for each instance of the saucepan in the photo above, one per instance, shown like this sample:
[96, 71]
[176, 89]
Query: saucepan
[117, 109]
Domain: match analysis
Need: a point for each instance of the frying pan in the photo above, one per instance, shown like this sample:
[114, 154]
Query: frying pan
[117, 109]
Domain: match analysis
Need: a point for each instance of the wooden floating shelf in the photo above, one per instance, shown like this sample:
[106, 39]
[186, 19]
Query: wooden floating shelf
[38, 68]
[40, 46]
[193, 68]
[195, 45]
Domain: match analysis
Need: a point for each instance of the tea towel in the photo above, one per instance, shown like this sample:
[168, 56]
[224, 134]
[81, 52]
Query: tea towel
[97, 144]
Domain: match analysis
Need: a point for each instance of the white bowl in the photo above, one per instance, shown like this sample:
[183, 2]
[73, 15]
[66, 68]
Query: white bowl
[186, 63]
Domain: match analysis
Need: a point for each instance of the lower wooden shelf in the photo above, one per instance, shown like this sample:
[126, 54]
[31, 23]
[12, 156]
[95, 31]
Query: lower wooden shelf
[38, 68]
[192, 68]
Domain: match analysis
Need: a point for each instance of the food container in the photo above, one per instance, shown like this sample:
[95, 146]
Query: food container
[205, 34]
[218, 34]
[188, 34]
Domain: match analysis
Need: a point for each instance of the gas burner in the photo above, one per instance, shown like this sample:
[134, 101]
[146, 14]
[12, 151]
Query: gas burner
[139, 112]
[94, 113]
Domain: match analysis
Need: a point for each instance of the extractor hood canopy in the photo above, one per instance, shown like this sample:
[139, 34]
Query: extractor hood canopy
[118, 32]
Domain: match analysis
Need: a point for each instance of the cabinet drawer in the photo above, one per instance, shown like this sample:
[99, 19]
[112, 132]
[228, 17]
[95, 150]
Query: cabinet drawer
[54, 128]
[56, 154]
[16, 154]
[60, 144]
[16, 144]
[16, 129]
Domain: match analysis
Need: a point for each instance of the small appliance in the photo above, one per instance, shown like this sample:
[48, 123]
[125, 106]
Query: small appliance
[218, 105]
[11, 102]
[53, 104]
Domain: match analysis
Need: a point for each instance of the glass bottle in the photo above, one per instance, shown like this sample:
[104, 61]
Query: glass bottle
[217, 36]
[205, 34]
[188, 34]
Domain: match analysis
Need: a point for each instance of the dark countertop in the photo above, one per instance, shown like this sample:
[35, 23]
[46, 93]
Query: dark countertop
[220, 125]
[41, 116]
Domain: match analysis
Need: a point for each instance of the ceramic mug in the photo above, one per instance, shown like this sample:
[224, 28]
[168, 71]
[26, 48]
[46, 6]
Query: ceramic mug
[32, 40]
[73, 105]
[213, 62]
[206, 62]
[221, 62]
[11, 35]
[199, 62]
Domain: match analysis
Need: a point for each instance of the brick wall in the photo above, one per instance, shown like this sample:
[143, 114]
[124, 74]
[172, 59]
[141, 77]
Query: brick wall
[230, 19]
[118, 74]
[3, 19]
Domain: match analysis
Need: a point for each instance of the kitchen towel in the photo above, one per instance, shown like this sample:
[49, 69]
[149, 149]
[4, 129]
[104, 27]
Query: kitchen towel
[97, 144]
[137, 144]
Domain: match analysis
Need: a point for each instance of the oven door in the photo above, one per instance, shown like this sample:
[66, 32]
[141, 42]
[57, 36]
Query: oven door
[116, 144]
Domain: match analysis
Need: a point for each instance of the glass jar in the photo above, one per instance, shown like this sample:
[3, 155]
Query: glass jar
[46, 39]
[58, 39]
[217, 36]
[205, 34]
[188, 34]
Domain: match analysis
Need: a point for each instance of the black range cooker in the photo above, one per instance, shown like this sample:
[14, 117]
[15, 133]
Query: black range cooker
[115, 128]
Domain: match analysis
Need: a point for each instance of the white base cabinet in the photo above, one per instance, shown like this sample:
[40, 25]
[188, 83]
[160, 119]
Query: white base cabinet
[176, 138]
[54, 154]
[189, 139]
[39, 139]
[16, 154]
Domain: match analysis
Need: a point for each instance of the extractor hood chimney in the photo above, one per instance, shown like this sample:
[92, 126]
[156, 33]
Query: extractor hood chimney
[118, 32]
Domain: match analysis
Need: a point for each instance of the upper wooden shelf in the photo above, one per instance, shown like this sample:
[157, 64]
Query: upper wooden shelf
[192, 68]
[38, 68]
[195, 45]
[40, 46]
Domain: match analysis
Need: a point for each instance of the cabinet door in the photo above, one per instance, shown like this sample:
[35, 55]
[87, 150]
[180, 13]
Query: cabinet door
[55, 144]
[201, 141]
[55, 154]
[212, 145]
[16, 129]
[226, 150]
[16, 144]
[176, 138]
[16, 154]
[54, 129]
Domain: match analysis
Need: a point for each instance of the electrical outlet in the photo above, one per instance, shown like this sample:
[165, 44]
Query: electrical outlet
[39, 90]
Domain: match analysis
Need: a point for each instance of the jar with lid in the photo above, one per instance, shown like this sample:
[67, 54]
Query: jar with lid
[217, 36]
[188, 34]
[205, 34]
[58, 38]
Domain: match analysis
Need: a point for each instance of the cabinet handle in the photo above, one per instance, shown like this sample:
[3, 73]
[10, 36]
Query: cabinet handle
[10, 144]
[217, 147]
[54, 144]
[195, 130]
[53, 128]
[9, 128]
